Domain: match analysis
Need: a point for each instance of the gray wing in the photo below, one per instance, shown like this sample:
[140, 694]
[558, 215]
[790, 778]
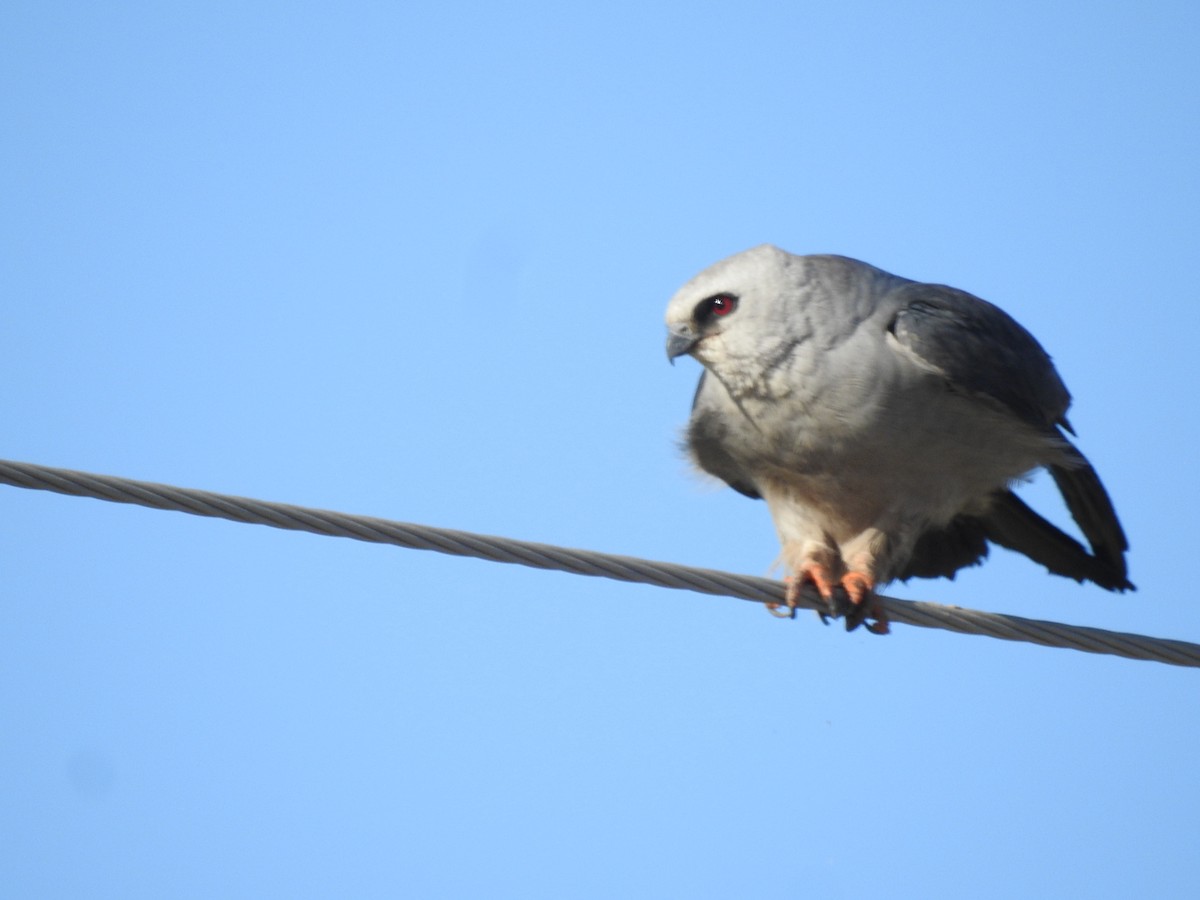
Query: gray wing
[941, 552]
[981, 350]
[1012, 524]
[708, 437]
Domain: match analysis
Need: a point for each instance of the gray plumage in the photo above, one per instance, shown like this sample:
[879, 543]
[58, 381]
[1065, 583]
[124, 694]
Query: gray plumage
[883, 421]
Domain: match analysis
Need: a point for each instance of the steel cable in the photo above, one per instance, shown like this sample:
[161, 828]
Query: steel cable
[579, 562]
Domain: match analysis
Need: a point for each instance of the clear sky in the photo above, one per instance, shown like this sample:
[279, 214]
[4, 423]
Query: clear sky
[411, 260]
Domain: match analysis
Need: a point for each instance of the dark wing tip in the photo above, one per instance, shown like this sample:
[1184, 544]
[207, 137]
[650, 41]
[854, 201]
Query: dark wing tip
[1012, 524]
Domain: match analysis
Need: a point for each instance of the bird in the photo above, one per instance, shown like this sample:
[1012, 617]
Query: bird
[886, 423]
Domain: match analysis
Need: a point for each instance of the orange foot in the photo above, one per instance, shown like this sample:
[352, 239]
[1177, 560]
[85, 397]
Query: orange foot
[812, 573]
[860, 588]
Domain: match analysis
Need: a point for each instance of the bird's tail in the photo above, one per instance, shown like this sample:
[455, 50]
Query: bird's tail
[1012, 524]
[1093, 511]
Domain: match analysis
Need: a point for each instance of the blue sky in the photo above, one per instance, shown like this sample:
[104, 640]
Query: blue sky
[411, 260]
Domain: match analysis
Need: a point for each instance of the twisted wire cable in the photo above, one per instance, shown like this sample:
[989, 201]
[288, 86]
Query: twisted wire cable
[579, 562]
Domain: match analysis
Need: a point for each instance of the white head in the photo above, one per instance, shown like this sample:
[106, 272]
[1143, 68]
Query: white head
[731, 309]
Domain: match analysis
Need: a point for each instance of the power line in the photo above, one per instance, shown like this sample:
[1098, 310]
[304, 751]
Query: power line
[579, 562]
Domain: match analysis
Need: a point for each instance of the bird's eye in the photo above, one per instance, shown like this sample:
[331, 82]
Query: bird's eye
[717, 305]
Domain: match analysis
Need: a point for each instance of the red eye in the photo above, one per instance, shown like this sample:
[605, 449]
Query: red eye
[722, 304]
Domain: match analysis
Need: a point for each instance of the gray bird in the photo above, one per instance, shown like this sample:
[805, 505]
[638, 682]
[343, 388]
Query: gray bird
[884, 421]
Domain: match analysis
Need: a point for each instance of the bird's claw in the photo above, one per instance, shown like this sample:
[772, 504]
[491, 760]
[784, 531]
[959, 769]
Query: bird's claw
[865, 608]
[786, 609]
[852, 598]
[819, 577]
[782, 610]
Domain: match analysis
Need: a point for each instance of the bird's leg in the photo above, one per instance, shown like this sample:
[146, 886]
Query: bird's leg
[860, 588]
[811, 573]
[863, 556]
[811, 564]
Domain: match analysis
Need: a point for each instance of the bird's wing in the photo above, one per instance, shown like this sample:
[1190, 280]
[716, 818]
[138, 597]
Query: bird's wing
[940, 552]
[1092, 508]
[981, 350]
[709, 433]
[1012, 524]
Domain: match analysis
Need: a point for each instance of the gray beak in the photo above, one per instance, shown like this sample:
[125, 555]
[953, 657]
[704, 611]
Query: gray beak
[680, 340]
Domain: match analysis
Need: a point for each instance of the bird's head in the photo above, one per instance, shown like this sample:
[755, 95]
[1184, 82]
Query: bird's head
[725, 311]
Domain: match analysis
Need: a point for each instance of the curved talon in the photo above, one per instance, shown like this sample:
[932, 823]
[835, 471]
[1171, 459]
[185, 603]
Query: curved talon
[811, 573]
[786, 609]
[818, 576]
[838, 604]
[860, 588]
[851, 598]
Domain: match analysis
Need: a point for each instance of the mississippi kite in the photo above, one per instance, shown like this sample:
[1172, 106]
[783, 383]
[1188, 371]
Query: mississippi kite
[884, 422]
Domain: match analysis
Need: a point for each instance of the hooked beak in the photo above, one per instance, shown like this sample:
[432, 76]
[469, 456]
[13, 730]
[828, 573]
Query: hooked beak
[680, 340]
